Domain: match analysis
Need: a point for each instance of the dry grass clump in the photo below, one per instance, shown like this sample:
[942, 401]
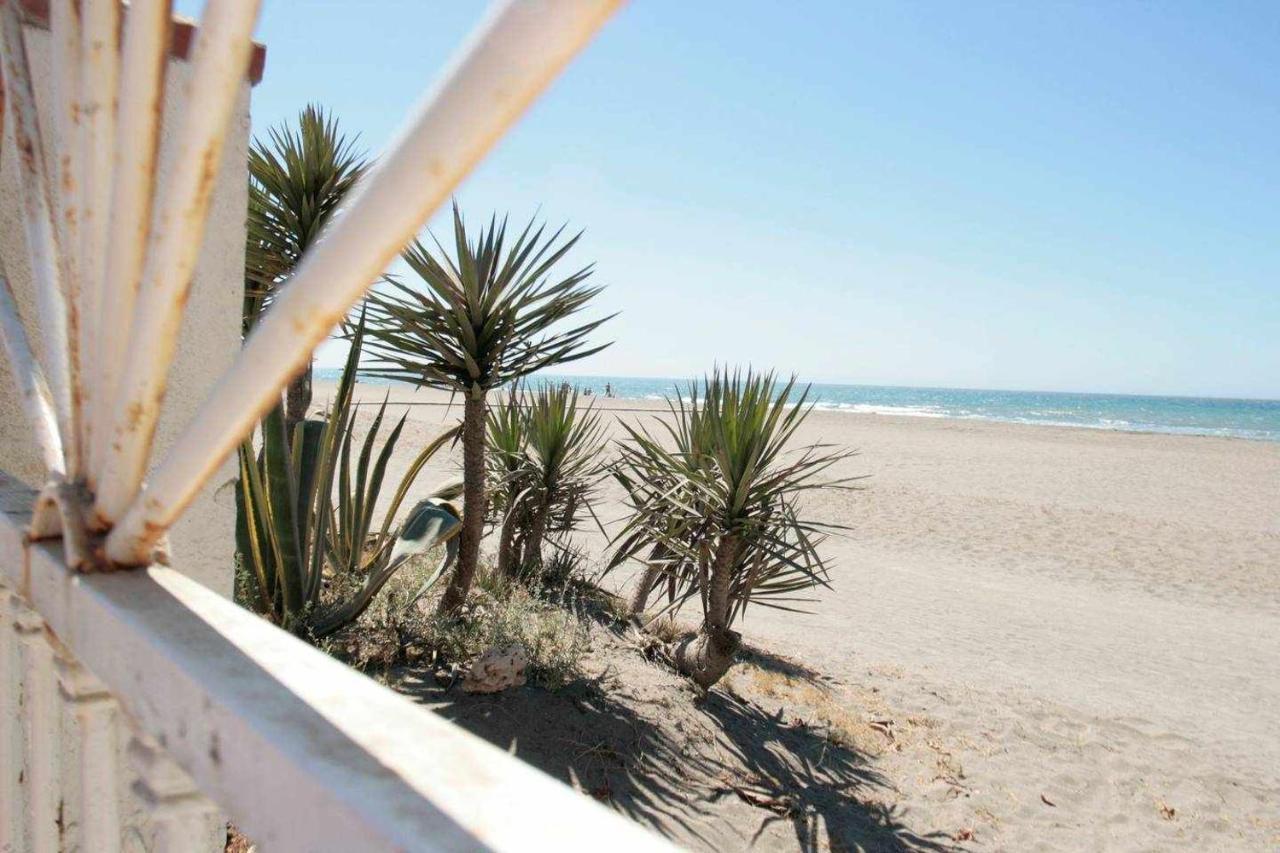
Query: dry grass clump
[815, 703]
[546, 622]
[667, 629]
[545, 619]
[237, 842]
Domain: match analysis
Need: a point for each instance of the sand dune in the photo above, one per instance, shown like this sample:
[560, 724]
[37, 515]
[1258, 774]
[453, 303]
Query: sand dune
[1085, 625]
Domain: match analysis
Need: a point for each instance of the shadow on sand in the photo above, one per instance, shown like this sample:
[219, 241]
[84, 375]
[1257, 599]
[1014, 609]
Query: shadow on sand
[716, 772]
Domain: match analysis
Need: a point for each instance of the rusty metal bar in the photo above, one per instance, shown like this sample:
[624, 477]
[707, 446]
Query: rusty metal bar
[142, 72]
[221, 55]
[27, 375]
[505, 65]
[30, 381]
[57, 318]
[95, 145]
[66, 187]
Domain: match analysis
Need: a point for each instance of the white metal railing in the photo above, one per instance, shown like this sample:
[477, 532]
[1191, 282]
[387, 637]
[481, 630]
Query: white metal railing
[96, 646]
[302, 752]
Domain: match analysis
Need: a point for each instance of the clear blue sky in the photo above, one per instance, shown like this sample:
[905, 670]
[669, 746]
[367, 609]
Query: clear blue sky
[999, 195]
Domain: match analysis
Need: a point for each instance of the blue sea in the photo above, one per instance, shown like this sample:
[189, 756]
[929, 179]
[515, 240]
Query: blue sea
[1252, 419]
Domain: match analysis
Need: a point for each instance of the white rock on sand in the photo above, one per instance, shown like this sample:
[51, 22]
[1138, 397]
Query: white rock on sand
[496, 670]
[1085, 618]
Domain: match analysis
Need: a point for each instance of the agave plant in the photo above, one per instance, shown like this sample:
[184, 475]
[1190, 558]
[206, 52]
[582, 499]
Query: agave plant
[714, 503]
[546, 458]
[308, 511]
[298, 177]
[478, 321]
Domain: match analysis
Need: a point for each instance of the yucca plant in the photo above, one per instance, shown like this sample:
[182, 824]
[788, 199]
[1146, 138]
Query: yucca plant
[651, 481]
[477, 321]
[507, 474]
[308, 514]
[546, 458]
[567, 457]
[298, 176]
[716, 499]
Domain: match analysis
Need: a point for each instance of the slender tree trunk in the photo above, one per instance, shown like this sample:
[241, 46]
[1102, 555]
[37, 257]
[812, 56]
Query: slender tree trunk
[706, 656]
[537, 532]
[297, 400]
[648, 580]
[507, 544]
[518, 548]
[473, 504]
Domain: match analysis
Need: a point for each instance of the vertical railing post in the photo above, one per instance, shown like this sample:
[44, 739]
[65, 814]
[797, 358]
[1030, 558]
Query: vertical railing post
[40, 729]
[176, 809]
[94, 712]
[10, 752]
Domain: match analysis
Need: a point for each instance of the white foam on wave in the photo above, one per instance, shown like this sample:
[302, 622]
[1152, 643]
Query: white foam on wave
[1110, 424]
[872, 409]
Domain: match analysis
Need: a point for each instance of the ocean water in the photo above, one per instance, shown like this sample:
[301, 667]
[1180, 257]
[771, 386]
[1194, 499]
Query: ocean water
[1252, 419]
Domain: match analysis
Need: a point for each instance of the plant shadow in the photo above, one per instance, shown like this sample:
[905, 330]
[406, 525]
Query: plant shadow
[812, 783]
[715, 772]
[772, 662]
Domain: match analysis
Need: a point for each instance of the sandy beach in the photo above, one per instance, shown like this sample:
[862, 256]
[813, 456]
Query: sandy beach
[1084, 625]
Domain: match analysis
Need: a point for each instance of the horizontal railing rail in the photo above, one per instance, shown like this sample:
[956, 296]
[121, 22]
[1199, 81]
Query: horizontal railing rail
[300, 751]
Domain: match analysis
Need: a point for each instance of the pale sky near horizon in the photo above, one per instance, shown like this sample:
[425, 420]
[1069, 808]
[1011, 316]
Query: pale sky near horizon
[995, 195]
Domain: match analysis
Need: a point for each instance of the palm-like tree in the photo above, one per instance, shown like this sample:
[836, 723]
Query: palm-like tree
[714, 503]
[566, 452]
[298, 177]
[478, 321]
[546, 458]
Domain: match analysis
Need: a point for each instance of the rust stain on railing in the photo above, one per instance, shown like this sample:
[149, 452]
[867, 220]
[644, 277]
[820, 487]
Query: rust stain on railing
[107, 393]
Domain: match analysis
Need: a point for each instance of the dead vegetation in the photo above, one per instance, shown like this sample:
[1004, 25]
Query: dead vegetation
[818, 706]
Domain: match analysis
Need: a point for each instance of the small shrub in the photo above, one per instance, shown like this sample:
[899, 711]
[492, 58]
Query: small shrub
[666, 628]
[544, 461]
[565, 566]
[550, 623]
[500, 612]
[305, 524]
[389, 632]
[714, 493]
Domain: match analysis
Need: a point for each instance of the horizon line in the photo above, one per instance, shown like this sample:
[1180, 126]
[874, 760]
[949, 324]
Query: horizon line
[817, 382]
[675, 380]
